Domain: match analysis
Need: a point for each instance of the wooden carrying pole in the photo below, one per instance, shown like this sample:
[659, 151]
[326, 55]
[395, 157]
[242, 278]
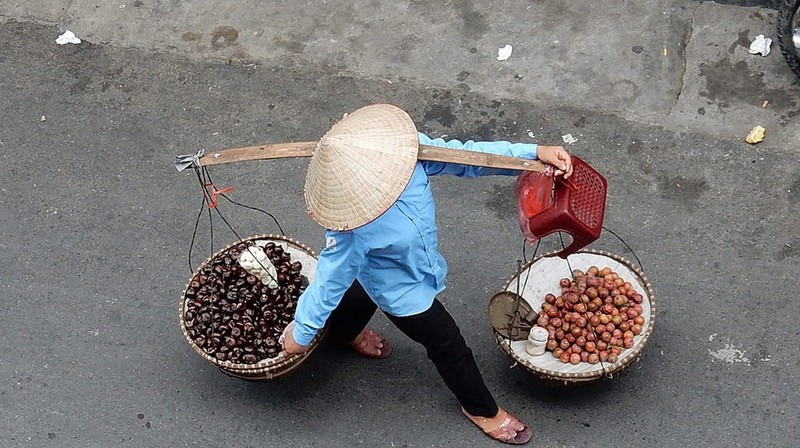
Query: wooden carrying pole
[426, 152]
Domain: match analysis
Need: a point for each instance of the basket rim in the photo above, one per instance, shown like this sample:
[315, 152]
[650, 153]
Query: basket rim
[266, 367]
[632, 353]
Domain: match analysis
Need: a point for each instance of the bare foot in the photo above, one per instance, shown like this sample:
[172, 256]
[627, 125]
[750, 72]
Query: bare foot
[371, 344]
[503, 427]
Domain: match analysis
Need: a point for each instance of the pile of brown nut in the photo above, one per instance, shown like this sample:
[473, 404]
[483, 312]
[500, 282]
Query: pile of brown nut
[232, 316]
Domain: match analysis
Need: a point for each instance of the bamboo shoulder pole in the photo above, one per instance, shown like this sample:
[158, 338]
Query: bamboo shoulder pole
[474, 158]
[260, 152]
[426, 152]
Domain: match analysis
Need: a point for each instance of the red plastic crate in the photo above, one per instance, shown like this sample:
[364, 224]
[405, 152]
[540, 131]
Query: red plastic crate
[578, 208]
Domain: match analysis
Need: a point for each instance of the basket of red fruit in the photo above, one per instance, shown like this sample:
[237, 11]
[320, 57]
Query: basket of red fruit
[234, 307]
[598, 310]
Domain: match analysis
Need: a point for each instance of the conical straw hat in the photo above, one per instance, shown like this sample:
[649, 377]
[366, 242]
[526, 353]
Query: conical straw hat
[361, 166]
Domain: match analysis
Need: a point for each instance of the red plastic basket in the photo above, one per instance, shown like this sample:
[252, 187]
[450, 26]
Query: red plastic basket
[578, 208]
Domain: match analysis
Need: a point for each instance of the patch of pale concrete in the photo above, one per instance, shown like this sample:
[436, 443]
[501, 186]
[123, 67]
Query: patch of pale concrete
[730, 354]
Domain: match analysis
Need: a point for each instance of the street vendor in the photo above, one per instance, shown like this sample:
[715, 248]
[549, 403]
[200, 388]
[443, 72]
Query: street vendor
[367, 188]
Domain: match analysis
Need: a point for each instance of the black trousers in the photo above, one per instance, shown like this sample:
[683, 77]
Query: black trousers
[436, 330]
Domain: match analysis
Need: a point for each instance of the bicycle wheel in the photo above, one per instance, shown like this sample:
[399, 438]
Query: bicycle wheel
[789, 33]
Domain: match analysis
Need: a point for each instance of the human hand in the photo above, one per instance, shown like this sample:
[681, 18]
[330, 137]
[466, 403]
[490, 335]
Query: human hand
[290, 347]
[556, 156]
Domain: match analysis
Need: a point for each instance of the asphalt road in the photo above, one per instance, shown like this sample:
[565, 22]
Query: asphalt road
[96, 226]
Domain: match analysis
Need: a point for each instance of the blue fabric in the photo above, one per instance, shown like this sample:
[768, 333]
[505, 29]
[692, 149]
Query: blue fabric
[396, 256]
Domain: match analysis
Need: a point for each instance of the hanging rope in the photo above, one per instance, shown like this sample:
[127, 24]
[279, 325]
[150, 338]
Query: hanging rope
[209, 202]
[194, 233]
[224, 190]
[563, 246]
[626, 245]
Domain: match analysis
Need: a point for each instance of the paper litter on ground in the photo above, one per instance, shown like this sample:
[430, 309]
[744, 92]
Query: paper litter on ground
[569, 139]
[761, 45]
[504, 53]
[755, 135]
[67, 38]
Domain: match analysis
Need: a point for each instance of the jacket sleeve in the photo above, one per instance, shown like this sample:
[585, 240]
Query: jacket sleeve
[337, 267]
[522, 150]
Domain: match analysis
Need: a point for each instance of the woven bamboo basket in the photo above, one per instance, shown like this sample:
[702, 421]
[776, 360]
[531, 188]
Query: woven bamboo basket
[266, 369]
[541, 276]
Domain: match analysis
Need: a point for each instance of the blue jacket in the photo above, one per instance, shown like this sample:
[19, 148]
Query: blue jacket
[395, 257]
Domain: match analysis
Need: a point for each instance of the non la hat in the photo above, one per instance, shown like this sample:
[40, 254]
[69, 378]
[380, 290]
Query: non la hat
[361, 166]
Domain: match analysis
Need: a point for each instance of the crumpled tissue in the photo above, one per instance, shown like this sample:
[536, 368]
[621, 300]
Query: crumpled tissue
[569, 139]
[504, 53]
[68, 38]
[761, 45]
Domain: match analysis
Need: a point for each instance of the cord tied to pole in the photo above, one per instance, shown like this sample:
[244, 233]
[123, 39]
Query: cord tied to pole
[210, 192]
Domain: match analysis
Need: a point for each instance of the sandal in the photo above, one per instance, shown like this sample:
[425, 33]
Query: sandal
[511, 430]
[368, 341]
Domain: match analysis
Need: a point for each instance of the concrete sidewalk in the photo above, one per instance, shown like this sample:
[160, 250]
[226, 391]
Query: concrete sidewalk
[680, 64]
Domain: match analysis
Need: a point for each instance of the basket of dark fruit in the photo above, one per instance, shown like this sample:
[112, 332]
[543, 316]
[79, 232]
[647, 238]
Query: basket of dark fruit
[594, 313]
[238, 302]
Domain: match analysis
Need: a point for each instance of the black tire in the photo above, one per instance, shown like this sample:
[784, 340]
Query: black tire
[788, 20]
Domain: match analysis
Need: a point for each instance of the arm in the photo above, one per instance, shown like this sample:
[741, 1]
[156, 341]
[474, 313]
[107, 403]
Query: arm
[553, 155]
[337, 268]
